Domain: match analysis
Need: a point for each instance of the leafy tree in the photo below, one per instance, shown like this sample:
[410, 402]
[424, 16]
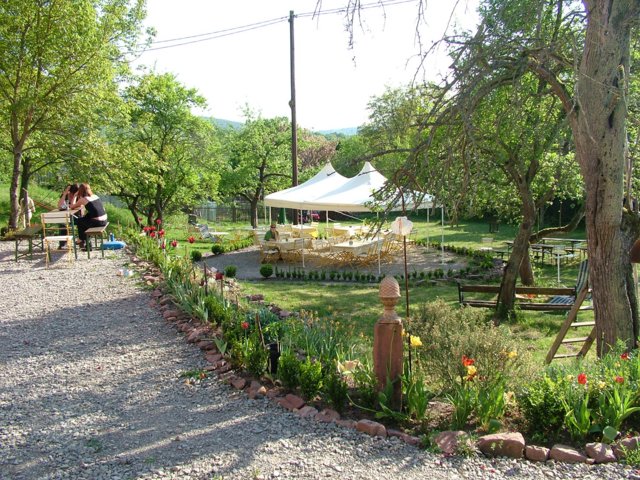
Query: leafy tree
[58, 61]
[167, 155]
[259, 160]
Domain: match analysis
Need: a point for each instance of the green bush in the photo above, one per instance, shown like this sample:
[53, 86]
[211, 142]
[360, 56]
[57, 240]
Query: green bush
[454, 332]
[335, 389]
[289, 370]
[217, 249]
[310, 378]
[196, 255]
[256, 356]
[217, 312]
[540, 402]
[266, 270]
[230, 271]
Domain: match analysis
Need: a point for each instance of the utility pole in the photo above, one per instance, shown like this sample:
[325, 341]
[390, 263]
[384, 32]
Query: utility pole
[292, 104]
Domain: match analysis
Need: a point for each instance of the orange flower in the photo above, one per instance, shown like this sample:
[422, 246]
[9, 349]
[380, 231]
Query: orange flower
[466, 361]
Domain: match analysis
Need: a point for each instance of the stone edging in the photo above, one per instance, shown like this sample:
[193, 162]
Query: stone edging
[510, 444]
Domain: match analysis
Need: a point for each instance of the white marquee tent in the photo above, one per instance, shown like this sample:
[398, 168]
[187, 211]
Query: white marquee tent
[330, 191]
[325, 180]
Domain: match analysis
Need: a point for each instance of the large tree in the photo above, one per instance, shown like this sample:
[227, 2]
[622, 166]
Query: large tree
[58, 59]
[167, 157]
[258, 160]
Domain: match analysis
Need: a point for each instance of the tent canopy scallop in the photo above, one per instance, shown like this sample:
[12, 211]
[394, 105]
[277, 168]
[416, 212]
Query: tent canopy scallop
[322, 182]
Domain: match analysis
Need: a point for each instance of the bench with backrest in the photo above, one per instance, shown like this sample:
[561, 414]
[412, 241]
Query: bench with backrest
[29, 234]
[562, 298]
[522, 293]
[97, 235]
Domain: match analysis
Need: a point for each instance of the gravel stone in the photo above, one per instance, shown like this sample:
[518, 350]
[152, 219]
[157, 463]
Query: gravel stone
[90, 388]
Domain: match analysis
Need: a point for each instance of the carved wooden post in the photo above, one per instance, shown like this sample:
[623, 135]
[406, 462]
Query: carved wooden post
[387, 341]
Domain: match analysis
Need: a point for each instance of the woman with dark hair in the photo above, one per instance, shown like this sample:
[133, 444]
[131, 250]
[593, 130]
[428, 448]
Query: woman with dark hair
[95, 215]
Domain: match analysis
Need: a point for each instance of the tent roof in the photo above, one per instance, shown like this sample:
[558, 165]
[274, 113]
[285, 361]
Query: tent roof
[356, 194]
[325, 180]
[352, 195]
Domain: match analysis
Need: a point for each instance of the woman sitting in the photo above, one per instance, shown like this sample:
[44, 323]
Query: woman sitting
[95, 215]
[272, 233]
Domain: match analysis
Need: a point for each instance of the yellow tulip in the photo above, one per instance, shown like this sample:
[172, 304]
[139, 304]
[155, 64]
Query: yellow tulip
[415, 341]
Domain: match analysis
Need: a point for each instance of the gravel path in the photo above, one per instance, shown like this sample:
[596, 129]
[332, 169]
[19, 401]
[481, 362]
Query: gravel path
[90, 388]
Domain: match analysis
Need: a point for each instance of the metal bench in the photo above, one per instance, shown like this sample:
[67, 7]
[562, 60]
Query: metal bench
[97, 235]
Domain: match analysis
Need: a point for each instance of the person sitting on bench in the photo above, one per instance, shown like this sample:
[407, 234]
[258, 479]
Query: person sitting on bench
[95, 215]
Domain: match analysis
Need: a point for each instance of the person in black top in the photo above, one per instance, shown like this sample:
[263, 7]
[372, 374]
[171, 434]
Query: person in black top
[95, 214]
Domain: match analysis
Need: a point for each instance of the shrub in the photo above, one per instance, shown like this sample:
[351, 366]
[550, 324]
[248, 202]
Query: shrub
[310, 378]
[256, 357]
[335, 390]
[266, 270]
[230, 271]
[217, 312]
[217, 249]
[454, 332]
[196, 255]
[289, 370]
[540, 402]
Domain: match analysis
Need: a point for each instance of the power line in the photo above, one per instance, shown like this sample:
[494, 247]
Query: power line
[203, 37]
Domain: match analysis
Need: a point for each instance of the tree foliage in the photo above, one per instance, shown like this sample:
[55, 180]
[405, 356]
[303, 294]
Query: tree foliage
[58, 61]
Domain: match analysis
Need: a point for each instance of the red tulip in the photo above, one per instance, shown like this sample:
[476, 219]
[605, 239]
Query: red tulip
[161, 233]
[466, 361]
[158, 221]
[152, 234]
[245, 325]
[174, 243]
[219, 276]
[625, 356]
[582, 379]
[619, 379]
[191, 239]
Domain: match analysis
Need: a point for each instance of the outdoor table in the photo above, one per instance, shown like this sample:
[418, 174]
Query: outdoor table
[348, 230]
[299, 230]
[355, 247]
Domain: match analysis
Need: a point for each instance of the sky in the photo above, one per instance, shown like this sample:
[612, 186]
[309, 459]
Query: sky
[245, 60]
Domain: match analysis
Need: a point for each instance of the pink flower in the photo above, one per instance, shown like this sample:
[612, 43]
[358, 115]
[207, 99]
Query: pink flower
[582, 379]
[161, 233]
[158, 221]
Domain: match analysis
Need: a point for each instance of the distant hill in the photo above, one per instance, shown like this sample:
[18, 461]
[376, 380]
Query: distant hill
[340, 131]
[222, 123]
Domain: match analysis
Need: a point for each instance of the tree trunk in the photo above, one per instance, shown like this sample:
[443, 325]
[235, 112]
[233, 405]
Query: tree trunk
[600, 136]
[254, 212]
[24, 188]
[14, 200]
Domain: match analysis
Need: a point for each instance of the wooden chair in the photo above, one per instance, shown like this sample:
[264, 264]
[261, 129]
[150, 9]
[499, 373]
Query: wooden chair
[52, 224]
[268, 253]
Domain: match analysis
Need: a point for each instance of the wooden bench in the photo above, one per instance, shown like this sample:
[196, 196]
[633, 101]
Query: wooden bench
[522, 293]
[31, 233]
[97, 235]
